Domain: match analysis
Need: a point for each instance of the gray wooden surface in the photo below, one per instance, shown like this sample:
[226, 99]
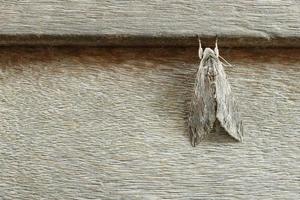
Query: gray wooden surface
[112, 124]
[135, 22]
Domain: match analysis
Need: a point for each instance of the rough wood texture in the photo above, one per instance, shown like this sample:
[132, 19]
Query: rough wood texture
[135, 22]
[112, 124]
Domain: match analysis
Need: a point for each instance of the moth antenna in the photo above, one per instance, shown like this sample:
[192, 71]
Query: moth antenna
[216, 47]
[227, 63]
[200, 51]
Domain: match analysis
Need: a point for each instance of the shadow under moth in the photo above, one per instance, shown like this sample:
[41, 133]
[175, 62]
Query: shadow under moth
[213, 106]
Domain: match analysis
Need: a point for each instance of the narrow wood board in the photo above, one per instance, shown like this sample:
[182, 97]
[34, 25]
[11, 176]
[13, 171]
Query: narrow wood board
[149, 23]
[112, 124]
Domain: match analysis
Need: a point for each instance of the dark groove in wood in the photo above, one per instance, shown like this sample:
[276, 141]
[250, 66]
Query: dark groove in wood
[146, 41]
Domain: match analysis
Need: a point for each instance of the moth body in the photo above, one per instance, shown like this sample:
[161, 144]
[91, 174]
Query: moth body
[213, 105]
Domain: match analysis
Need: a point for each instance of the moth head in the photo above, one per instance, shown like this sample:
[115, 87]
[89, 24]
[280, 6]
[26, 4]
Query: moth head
[208, 52]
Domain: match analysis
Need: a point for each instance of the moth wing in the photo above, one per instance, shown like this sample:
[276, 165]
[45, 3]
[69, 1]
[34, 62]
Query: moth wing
[202, 113]
[227, 108]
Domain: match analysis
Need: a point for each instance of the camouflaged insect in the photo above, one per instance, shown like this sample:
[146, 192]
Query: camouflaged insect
[213, 106]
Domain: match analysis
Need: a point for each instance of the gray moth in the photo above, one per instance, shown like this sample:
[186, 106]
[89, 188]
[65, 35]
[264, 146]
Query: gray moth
[213, 106]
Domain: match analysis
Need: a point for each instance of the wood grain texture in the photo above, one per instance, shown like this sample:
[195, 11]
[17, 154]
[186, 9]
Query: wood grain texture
[113, 22]
[112, 124]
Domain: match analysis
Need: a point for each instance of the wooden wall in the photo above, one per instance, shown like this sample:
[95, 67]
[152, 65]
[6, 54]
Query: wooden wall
[150, 23]
[110, 123]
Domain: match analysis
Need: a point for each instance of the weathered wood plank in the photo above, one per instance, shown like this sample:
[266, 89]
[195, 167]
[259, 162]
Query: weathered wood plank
[130, 23]
[112, 124]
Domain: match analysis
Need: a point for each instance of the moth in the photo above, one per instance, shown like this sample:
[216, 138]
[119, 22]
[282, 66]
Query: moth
[213, 106]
